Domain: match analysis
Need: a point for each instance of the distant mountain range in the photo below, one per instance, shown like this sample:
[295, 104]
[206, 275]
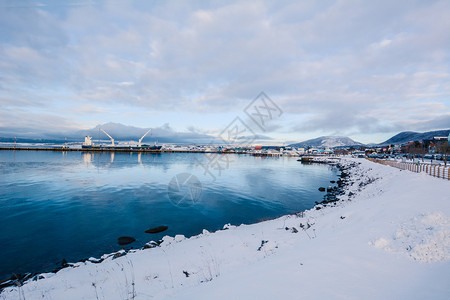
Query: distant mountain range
[327, 141]
[409, 136]
[120, 132]
[398, 139]
[166, 134]
[162, 134]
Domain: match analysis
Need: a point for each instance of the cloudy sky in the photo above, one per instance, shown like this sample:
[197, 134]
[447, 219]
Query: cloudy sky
[364, 69]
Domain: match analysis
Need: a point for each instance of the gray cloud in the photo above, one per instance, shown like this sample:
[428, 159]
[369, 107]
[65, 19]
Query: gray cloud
[440, 122]
[335, 66]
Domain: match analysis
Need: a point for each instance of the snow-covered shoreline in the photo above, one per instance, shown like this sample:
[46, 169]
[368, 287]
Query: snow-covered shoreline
[387, 238]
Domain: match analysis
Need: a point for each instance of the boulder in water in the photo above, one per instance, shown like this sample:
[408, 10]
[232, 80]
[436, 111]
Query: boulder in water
[157, 229]
[125, 240]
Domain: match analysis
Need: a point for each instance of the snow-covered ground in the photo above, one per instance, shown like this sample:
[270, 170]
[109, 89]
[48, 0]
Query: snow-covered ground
[389, 238]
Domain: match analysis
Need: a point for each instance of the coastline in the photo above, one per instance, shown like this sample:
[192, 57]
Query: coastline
[344, 243]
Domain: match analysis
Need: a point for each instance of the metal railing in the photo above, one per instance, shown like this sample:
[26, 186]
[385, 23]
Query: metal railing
[439, 171]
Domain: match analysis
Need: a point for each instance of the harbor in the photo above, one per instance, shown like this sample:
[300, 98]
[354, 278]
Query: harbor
[162, 149]
[132, 147]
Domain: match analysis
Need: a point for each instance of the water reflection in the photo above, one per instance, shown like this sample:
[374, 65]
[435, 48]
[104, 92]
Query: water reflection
[105, 160]
[78, 203]
[87, 158]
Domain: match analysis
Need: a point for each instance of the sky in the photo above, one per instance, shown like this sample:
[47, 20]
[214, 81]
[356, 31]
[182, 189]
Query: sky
[363, 69]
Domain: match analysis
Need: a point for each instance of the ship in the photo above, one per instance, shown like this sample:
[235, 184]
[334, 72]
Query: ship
[89, 145]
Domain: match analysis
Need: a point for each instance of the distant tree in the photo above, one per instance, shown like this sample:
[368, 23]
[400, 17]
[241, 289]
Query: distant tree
[417, 149]
[443, 149]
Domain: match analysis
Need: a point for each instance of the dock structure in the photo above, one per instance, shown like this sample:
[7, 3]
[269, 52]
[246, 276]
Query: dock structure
[124, 150]
[67, 149]
[88, 146]
[101, 149]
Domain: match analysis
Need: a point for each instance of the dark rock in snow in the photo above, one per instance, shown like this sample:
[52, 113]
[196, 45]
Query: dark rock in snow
[6, 283]
[118, 254]
[38, 277]
[262, 245]
[95, 260]
[157, 229]
[151, 244]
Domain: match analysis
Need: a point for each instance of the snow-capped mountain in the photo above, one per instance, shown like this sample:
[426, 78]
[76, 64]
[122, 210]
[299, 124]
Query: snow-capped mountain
[328, 141]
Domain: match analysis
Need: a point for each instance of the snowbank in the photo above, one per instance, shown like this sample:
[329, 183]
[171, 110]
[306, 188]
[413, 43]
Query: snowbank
[388, 238]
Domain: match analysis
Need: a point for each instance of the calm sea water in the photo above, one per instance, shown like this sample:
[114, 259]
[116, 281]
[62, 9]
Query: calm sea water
[74, 205]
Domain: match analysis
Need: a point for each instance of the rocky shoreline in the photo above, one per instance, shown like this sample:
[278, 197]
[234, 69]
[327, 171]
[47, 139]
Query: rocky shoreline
[332, 192]
[21, 279]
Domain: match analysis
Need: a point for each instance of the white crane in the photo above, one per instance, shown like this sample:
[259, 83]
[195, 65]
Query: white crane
[112, 140]
[140, 140]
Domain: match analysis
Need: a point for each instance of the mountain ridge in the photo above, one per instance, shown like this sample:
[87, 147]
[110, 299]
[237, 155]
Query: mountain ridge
[410, 136]
[327, 141]
[120, 132]
[166, 134]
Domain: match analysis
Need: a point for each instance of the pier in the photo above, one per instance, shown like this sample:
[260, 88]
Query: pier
[66, 149]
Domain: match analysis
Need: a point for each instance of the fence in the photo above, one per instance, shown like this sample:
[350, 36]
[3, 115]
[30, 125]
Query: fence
[439, 171]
